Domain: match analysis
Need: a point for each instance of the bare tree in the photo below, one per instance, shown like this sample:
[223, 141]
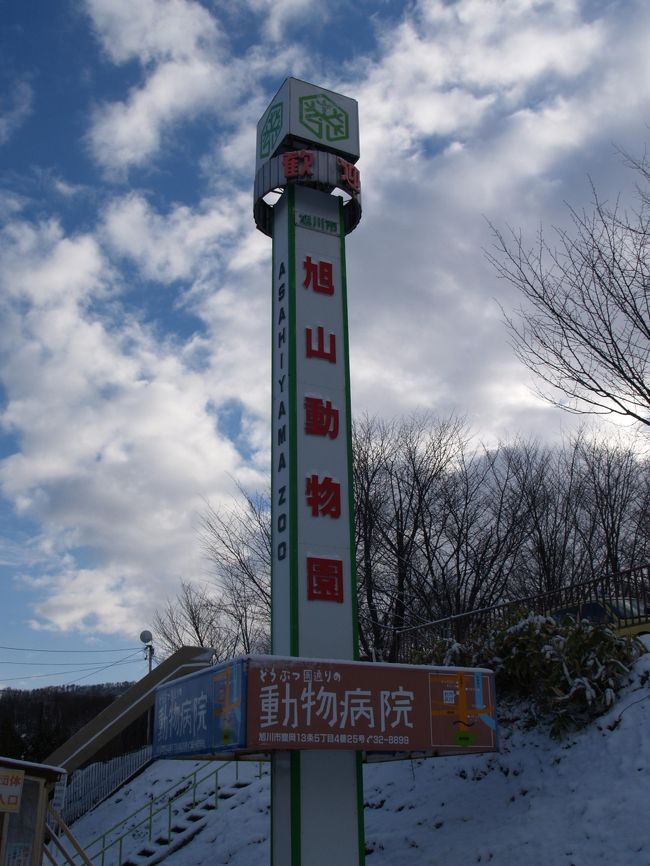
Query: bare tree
[441, 528]
[193, 618]
[475, 526]
[233, 616]
[370, 445]
[237, 543]
[587, 511]
[584, 328]
[396, 466]
[615, 492]
[557, 549]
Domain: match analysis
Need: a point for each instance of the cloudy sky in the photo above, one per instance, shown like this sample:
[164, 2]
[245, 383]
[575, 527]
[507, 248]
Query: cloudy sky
[134, 287]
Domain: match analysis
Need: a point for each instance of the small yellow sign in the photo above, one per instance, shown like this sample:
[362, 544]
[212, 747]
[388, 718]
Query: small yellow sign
[11, 789]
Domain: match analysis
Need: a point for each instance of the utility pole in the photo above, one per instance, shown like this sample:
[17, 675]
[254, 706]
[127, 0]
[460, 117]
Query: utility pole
[147, 639]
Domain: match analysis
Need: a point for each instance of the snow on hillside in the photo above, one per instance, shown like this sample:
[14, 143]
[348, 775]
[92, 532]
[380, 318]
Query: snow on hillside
[578, 802]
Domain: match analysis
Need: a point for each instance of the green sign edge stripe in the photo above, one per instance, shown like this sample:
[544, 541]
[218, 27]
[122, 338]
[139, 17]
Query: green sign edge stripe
[271, 791]
[296, 817]
[273, 486]
[294, 641]
[274, 250]
[361, 828]
[348, 433]
[360, 813]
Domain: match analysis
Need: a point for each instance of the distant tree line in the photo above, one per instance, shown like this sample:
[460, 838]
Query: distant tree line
[442, 527]
[33, 723]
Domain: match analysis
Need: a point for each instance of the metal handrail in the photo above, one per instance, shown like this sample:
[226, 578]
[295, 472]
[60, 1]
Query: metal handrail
[573, 590]
[152, 812]
[629, 585]
[62, 827]
[160, 796]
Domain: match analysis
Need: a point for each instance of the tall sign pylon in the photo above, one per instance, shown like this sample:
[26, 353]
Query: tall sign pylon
[307, 147]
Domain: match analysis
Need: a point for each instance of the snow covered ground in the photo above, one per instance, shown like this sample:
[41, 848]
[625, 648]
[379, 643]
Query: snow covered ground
[578, 802]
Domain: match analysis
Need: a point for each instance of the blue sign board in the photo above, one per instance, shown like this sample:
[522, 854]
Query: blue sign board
[202, 713]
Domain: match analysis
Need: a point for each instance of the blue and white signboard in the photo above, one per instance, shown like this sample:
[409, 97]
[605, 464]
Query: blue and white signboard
[202, 713]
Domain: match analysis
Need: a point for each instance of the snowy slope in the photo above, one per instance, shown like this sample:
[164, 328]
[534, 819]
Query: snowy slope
[579, 802]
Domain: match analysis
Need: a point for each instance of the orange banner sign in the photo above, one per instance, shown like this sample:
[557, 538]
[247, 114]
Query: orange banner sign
[310, 703]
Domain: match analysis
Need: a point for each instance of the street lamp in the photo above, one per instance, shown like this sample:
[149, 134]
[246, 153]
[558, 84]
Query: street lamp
[147, 639]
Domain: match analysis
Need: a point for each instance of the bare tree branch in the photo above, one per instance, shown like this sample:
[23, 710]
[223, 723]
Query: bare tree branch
[584, 327]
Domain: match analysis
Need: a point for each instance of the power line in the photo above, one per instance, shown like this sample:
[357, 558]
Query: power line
[35, 650]
[91, 669]
[41, 676]
[51, 664]
[99, 670]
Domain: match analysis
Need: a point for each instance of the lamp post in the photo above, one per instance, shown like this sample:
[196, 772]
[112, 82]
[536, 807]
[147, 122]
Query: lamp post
[147, 639]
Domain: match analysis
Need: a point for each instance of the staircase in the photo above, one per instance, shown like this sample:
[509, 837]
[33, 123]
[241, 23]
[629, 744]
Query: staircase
[171, 819]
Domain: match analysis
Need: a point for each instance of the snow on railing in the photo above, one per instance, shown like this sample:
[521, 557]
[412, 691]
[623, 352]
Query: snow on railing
[92, 784]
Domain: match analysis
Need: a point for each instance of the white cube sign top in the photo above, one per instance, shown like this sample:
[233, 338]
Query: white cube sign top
[314, 115]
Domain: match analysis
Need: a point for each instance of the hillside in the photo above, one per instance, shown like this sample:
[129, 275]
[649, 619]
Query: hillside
[578, 802]
[35, 722]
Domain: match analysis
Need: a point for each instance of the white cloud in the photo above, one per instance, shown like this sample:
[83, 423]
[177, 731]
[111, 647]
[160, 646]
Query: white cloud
[222, 259]
[152, 30]
[15, 109]
[91, 601]
[474, 109]
[188, 69]
[11, 205]
[177, 43]
[125, 134]
[280, 15]
[118, 446]
[450, 69]
[492, 43]
[470, 108]
[46, 267]
[179, 245]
